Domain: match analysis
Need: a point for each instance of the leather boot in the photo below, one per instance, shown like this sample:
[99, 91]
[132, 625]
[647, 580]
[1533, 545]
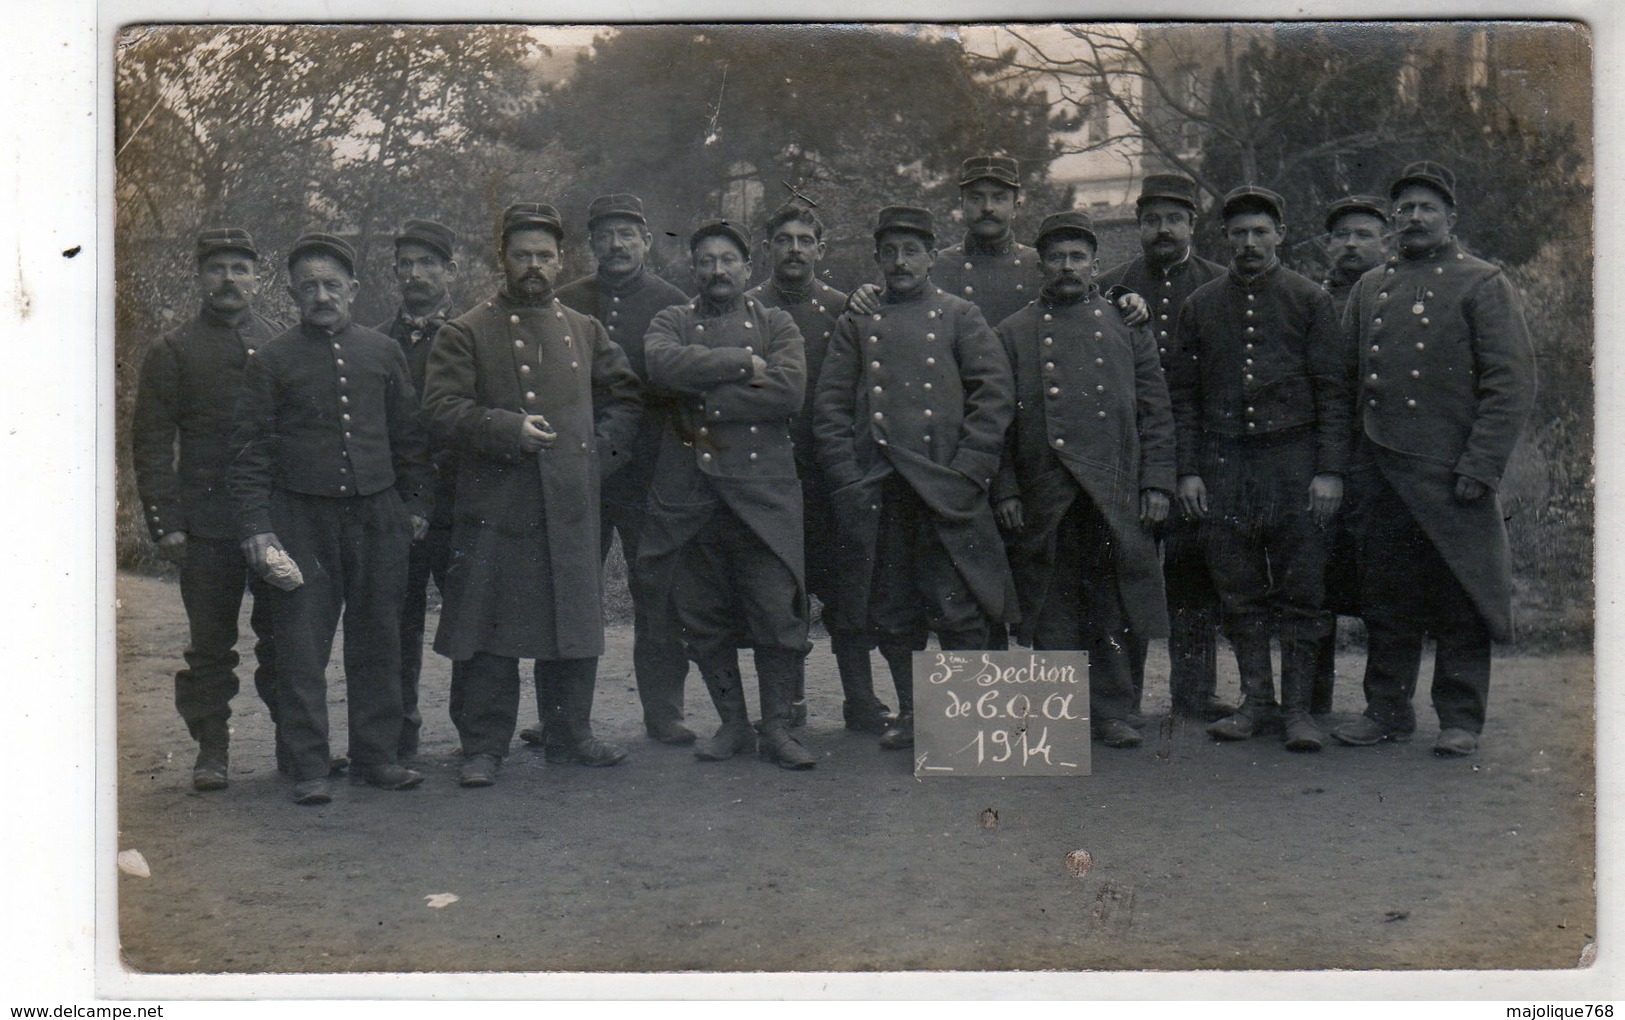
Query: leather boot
[728, 695]
[776, 673]
[1259, 710]
[1320, 700]
[798, 690]
[860, 709]
[575, 681]
[900, 734]
[1300, 654]
[213, 740]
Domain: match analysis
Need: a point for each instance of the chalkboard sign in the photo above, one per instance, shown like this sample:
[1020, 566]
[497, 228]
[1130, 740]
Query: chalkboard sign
[1001, 713]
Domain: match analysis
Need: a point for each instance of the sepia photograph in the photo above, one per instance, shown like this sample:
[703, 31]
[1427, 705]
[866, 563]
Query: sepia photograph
[766, 498]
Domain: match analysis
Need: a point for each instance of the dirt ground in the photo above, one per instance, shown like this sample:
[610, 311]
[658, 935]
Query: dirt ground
[1205, 855]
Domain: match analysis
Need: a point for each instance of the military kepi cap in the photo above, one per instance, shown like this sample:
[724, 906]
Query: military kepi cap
[532, 216]
[1368, 205]
[1002, 169]
[623, 205]
[319, 243]
[219, 239]
[1173, 187]
[1072, 222]
[441, 240]
[1251, 198]
[720, 228]
[1427, 173]
[905, 217]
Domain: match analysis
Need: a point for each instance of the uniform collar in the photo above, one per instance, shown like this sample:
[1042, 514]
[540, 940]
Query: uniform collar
[209, 317]
[632, 283]
[1003, 246]
[707, 309]
[1254, 281]
[792, 296]
[1448, 250]
[322, 332]
[525, 302]
[1089, 294]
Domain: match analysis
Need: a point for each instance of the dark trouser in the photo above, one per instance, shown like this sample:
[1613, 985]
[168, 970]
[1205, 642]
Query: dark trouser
[731, 591]
[213, 576]
[916, 589]
[428, 558]
[352, 552]
[1193, 622]
[1268, 560]
[661, 665]
[851, 647]
[485, 695]
[1084, 609]
[1342, 598]
[1408, 592]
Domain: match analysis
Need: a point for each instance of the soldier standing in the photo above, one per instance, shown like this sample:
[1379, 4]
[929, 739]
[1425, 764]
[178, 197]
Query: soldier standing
[910, 415]
[624, 295]
[1166, 273]
[1261, 402]
[332, 471]
[1447, 381]
[1088, 469]
[723, 537]
[1356, 242]
[538, 405]
[188, 388]
[795, 244]
[425, 269]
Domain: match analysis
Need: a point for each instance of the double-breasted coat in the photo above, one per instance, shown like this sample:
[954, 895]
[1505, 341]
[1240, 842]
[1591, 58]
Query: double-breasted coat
[524, 579]
[921, 388]
[729, 441]
[1092, 416]
[1164, 290]
[1447, 381]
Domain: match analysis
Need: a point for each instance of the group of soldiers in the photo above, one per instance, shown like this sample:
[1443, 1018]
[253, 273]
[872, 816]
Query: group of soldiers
[995, 441]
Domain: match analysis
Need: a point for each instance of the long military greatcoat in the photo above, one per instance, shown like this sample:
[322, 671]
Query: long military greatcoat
[1447, 380]
[730, 440]
[1092, 415]
[524, 579]
[921, 388]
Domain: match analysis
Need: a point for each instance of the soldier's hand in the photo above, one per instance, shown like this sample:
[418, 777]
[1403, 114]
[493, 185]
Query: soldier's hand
[1134, 309]
[1325, 496]
[1008, 513]
[536, 434]
[1193, 497]
[865, 300]
[1153, 507]
[256, 547]
[420, 528]
[1469, 490]
[172, 547]
[758, 370]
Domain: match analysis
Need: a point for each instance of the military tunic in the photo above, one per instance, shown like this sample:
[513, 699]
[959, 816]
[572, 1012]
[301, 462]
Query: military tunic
[188, 391]
[1092, 419]
[999, 279]
[1165, 290]
[814, 313]
[1447, 381]
[1262, 404]
[626, 308]
[525, 578]
[332, 459]
[922, 390]
[431, 554]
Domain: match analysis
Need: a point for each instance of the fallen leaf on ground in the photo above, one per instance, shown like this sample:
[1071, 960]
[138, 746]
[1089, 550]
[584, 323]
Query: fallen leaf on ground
[441, 899]
[132, 863]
